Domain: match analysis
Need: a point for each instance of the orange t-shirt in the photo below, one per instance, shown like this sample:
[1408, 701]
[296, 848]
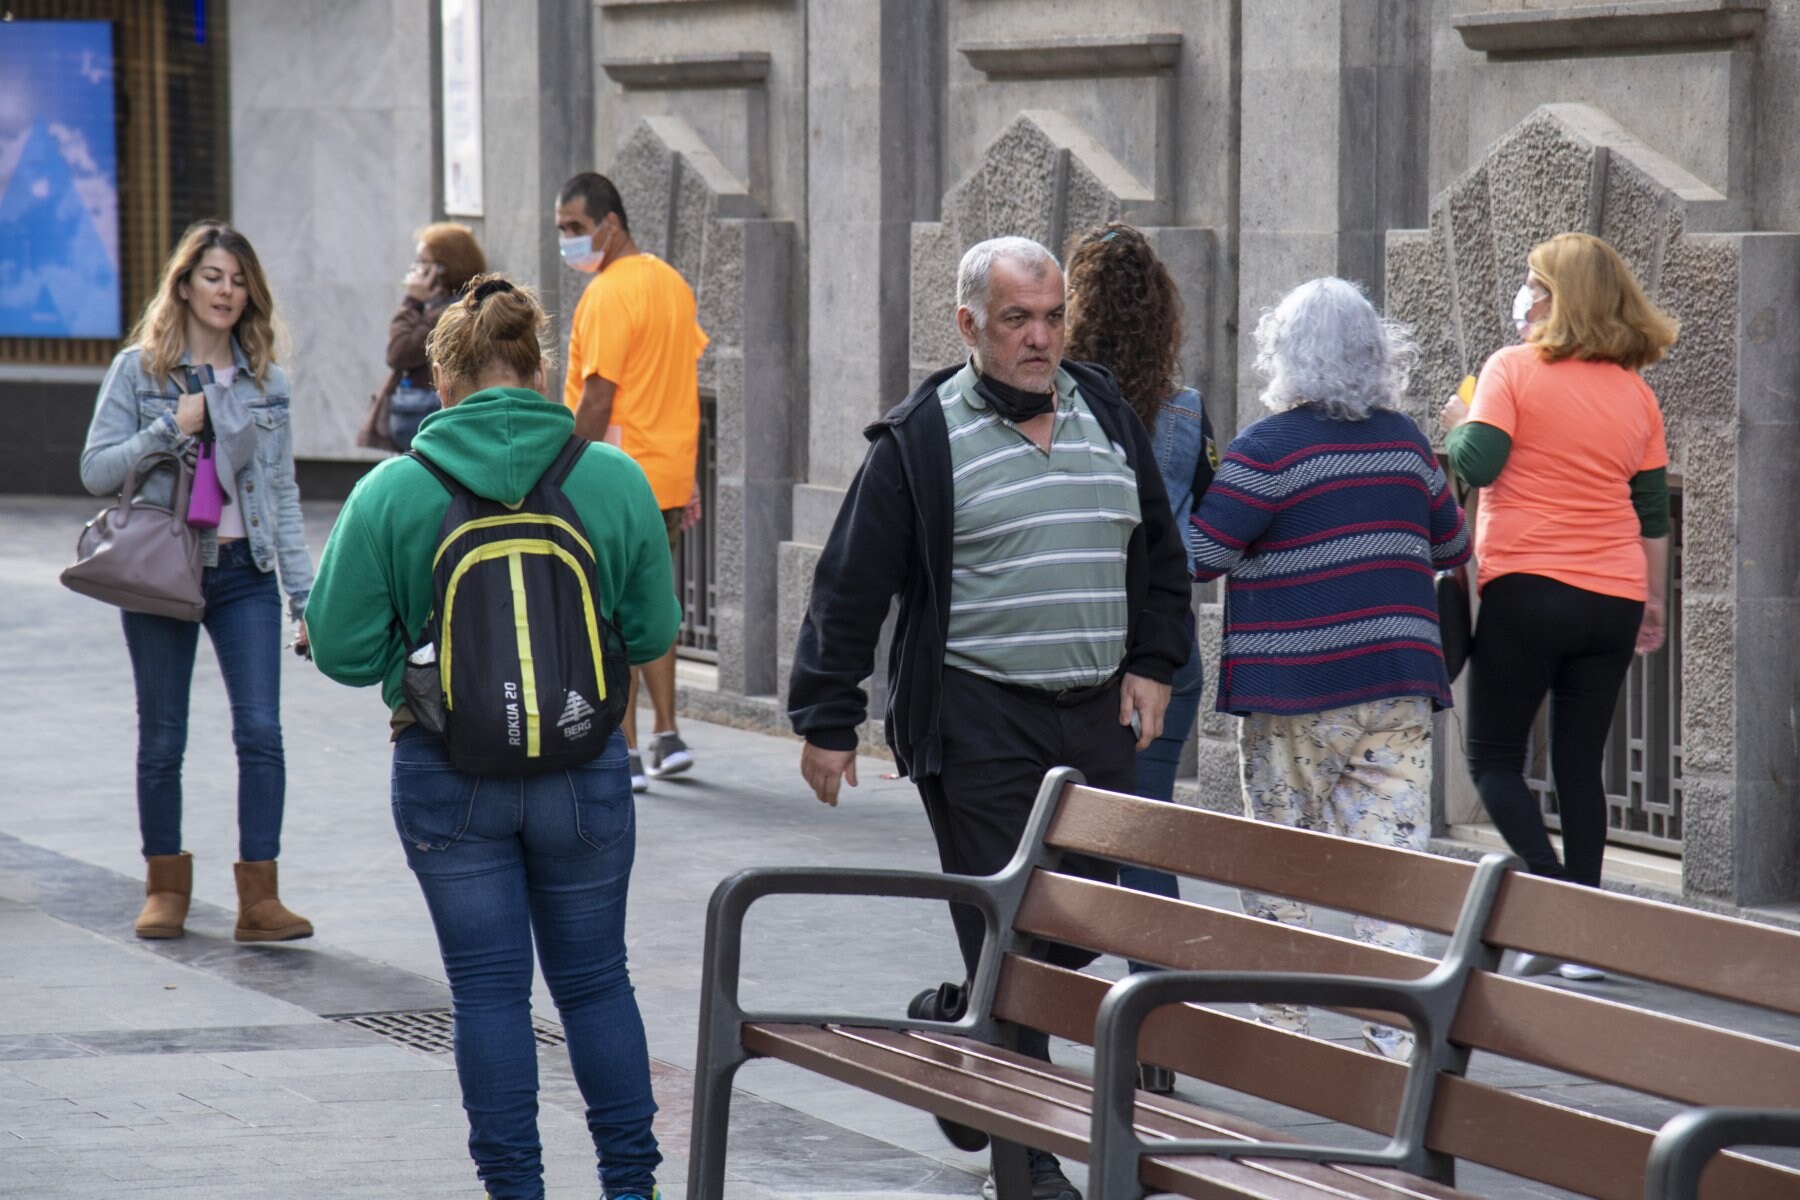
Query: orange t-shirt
[1562, 504]
[635, 327]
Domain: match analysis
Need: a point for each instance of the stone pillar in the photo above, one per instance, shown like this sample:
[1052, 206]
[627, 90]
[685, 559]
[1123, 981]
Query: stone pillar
[874, 100]
[537, 131]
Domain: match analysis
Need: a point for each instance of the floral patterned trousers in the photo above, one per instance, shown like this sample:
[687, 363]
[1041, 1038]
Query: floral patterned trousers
[1364, 772]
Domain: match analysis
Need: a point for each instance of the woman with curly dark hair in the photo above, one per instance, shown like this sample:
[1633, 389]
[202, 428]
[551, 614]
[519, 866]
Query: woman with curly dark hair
[1124, 312]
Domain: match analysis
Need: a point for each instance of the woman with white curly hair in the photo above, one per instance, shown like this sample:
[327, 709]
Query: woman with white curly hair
[1331, 517]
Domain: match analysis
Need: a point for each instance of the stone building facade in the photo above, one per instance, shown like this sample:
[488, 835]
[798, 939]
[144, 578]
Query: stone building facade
[816, 167]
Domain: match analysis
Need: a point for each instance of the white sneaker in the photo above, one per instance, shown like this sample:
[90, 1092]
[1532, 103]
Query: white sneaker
[1580, 972]
[640, 782]
[669, 755]
[1532, 964]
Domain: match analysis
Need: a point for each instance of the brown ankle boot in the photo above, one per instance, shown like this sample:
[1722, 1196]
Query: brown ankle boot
[262, 917]
[168, 884]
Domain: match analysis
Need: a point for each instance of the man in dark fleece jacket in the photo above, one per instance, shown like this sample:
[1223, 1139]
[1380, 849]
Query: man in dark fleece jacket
[1013, 504]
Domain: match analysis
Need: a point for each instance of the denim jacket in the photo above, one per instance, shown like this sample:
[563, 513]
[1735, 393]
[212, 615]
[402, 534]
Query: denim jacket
[1185, 452]
[136, 414]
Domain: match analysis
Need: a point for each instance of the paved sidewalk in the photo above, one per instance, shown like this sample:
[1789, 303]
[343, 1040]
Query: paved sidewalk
[200, 1068]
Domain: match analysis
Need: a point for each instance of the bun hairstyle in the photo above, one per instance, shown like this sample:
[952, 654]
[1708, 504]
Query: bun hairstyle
[497, 326]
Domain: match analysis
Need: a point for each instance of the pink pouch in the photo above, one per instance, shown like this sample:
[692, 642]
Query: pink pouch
[207, 498]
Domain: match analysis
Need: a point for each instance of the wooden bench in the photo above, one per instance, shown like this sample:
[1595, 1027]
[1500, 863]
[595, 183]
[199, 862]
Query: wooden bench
[1433, 1114]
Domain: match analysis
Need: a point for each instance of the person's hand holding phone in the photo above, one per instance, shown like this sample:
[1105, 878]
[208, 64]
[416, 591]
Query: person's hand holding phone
[422, 281]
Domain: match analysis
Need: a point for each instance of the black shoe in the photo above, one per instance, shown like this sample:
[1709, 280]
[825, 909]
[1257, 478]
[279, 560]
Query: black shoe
[1047, 1179]
[948, 1002]
[1153, 1078]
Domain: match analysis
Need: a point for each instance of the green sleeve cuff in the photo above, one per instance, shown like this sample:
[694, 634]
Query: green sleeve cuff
[1650, 497]
[1477, 452]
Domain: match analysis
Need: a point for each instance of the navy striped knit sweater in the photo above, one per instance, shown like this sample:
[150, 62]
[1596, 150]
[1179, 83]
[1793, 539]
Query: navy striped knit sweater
[1332, 532]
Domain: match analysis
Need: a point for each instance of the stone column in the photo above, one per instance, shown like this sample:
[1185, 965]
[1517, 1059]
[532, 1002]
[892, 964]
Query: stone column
[874, 97]
[537, 131]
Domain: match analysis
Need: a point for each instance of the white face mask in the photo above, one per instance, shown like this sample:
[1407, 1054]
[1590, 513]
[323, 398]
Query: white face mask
[579, 254]
[1522, 302]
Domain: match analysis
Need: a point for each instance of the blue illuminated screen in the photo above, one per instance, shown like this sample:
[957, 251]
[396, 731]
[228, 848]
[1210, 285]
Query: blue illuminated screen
[59, 181]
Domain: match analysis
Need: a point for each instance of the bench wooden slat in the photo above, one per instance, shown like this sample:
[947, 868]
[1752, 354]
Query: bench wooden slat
[1048, 1106]
[1699, 952]
[1173, 933]
[1332, 1081]
[1504, 1130]
[1412, 888]
[1662, 1055]
[1567, 1148]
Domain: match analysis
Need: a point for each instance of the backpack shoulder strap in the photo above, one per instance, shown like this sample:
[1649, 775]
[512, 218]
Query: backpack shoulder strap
[564, 462]
[444, 477]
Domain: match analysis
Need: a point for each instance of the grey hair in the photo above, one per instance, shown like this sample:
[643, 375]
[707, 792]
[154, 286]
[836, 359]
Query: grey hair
[1325, 346]
[976, 270]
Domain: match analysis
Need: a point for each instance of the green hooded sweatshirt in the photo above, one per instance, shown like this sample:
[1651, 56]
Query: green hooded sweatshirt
[373, 592]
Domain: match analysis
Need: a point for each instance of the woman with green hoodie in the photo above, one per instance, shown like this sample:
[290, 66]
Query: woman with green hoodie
[501, 859]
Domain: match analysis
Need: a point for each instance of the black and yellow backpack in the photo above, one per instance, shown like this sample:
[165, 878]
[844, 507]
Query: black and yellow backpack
[518, 669]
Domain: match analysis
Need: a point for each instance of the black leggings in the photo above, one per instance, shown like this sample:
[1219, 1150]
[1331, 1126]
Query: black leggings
[1537, 635]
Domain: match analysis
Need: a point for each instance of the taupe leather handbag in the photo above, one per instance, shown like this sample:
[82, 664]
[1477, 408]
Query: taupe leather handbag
[142, 556]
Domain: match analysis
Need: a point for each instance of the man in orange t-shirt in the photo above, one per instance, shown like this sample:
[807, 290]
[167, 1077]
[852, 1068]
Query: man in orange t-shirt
[633, 381]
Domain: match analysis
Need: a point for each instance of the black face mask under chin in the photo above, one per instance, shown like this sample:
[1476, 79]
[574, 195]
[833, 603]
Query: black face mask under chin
[1013, 403]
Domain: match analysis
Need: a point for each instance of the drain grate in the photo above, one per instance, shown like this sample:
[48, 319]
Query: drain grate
[433, 1030]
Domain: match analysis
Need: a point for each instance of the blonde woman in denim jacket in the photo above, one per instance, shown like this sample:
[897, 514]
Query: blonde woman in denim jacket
[212, 309]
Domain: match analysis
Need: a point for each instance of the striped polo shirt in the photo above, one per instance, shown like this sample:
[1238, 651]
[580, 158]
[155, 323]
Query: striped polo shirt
[1039, 541]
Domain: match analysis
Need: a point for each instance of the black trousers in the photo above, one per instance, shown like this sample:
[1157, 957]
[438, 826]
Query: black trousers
[997, 745]
[1538, 635]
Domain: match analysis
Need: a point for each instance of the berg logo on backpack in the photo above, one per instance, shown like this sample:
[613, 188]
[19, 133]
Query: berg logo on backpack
[517, 670]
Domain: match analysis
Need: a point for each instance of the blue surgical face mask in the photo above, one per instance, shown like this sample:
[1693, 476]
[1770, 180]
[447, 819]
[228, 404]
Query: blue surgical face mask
[579, 254]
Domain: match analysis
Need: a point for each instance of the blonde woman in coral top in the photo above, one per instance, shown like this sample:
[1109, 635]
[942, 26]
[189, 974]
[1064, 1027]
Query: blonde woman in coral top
[1565, 439]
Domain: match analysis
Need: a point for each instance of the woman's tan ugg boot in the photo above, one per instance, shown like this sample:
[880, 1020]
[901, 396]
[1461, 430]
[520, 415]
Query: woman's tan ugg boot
[168, 884]
[262, 917]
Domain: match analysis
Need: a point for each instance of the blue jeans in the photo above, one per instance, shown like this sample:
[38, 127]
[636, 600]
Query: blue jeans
[1156, 766]
[501, 860]
[243, 618]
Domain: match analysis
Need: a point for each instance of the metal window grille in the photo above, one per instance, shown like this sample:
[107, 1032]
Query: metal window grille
[696, 563]
[1642, 769]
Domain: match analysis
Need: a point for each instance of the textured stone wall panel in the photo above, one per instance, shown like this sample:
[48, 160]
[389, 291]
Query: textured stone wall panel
[1709, 667]
[728, 635]
[1088, 204]
[1708, 829]
[1019, 171]
[641, 173]
[795, 563]
[1216, 769]
[1634, 220]
[724, 372]
[1209, 627]
[1483, 291]
[728, 513]
[1418, 295]
[1698, 380]
[1540, 183]
[694, 210]
[1709, 507]
[721, 283]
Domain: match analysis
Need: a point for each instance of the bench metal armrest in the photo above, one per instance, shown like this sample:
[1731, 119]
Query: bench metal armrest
[1131, 1001]
[1688, 1141]
[732, 899]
